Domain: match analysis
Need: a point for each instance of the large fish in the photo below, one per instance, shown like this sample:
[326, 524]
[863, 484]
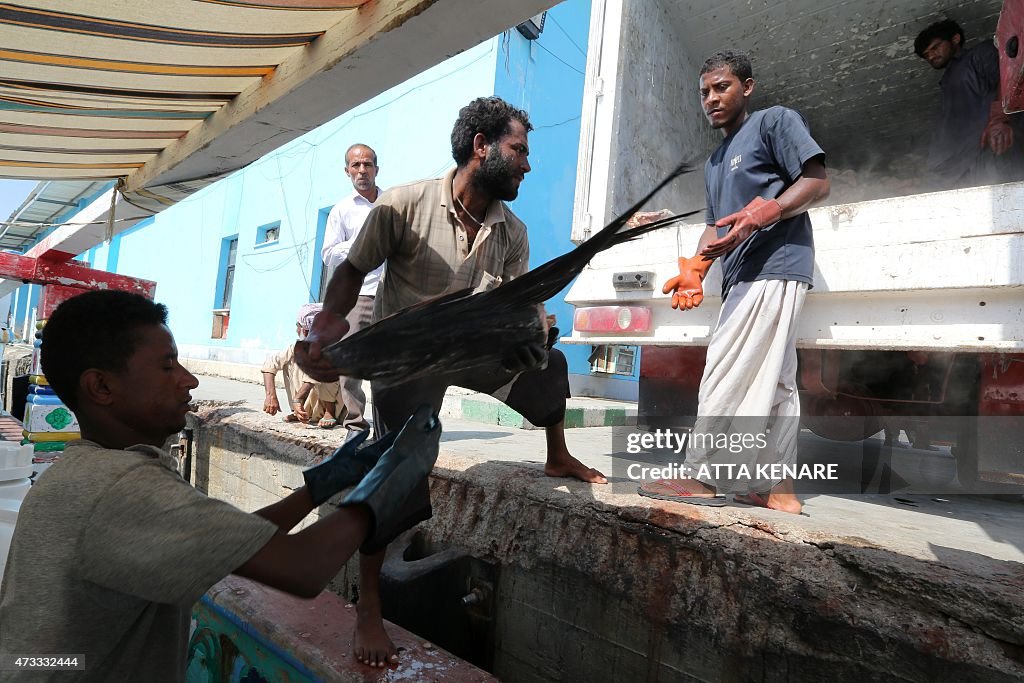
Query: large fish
[463, 330]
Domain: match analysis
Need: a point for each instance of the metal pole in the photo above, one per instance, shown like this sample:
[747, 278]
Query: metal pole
[24, 328]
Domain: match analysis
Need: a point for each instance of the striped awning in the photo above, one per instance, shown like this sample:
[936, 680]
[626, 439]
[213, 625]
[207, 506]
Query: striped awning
[94, 89]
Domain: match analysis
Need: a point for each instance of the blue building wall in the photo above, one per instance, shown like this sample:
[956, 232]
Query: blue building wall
[545, 77]
[294, 187]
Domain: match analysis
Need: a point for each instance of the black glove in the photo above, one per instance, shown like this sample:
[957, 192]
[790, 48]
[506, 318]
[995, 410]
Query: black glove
[553, 333]
[346, 467]
[526, 357]
[396, 489]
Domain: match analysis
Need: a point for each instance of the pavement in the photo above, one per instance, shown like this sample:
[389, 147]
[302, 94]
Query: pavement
[917, 524]
[459, 404]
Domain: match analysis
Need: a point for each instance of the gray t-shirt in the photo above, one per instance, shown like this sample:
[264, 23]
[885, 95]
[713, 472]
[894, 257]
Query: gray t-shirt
[763, 159]
[110, 551]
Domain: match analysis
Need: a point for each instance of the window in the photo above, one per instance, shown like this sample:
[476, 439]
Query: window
[268, 234]
[321, 273]
[609, 359]
[229, 273]
[225, 285]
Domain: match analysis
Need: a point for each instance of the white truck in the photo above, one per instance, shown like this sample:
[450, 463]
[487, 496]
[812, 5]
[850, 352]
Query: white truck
[917, 313]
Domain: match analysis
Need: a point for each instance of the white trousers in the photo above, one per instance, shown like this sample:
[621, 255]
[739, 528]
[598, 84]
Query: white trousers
[749, 390]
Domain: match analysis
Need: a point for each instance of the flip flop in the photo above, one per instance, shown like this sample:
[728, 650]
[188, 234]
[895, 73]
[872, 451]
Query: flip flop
[682, 495]
[327, 423]
[753, 499]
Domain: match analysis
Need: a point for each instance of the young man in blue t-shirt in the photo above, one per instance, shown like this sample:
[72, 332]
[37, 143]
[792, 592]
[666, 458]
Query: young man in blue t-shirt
[759, 182]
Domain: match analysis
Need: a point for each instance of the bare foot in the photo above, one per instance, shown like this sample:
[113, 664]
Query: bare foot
[781, 498]
[568, 466]
[370, 642]
[785, 502]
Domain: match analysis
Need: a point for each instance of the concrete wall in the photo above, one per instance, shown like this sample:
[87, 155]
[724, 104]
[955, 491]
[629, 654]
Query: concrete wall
[596, 587]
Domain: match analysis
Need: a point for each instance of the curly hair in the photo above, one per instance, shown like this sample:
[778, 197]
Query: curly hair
[93, 330]
[738, 63]
[941, 29]
[490, 116]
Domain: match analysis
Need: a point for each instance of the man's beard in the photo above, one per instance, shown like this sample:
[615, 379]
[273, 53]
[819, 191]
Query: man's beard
[496, 176]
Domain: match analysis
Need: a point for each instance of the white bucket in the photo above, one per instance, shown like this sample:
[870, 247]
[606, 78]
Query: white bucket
[15, 470]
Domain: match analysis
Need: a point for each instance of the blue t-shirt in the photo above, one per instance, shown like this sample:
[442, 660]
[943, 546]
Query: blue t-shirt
[763, 159]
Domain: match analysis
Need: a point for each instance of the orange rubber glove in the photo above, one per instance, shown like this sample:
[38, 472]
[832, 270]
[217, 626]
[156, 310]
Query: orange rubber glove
[759, 213]
[687, 288]
[998, 135]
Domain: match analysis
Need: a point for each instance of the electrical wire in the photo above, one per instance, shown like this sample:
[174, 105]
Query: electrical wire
[560, 123]
[543, 47]
[554, 21]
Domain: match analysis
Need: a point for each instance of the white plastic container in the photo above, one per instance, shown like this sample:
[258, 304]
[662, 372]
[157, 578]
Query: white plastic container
[15, 470]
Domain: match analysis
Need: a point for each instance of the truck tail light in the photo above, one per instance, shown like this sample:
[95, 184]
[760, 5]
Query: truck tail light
[612, 319]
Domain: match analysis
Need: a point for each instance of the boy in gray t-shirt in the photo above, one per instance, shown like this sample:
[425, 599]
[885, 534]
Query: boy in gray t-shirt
[112, 546]
[760, 182]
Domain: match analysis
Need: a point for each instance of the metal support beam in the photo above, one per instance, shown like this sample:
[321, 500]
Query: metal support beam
[75, 274]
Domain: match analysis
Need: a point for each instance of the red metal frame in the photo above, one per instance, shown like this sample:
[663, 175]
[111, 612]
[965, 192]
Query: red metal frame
[1010, 42]
[1002, 384]
[62, 280]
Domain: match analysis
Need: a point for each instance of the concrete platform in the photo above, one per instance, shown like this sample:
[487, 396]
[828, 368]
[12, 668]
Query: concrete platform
[599, 584]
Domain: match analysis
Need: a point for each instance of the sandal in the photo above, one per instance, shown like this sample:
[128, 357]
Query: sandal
[681, 495]
[327, 423]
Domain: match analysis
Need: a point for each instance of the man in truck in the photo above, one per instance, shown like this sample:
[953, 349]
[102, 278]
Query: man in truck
[973, 130]
[759, 184]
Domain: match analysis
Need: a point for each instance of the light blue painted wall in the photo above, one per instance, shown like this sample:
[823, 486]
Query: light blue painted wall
[409, 127]
[545, 77]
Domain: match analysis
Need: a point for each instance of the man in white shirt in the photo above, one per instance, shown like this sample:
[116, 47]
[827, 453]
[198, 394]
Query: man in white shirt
[343, 226]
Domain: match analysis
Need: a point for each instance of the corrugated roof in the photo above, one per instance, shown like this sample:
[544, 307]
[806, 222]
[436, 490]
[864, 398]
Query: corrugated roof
[42, 208]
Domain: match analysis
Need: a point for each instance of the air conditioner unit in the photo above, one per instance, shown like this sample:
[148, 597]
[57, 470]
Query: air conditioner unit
[533, 27]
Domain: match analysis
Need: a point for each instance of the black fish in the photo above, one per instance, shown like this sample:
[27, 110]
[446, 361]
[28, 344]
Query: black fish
[463, 330]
